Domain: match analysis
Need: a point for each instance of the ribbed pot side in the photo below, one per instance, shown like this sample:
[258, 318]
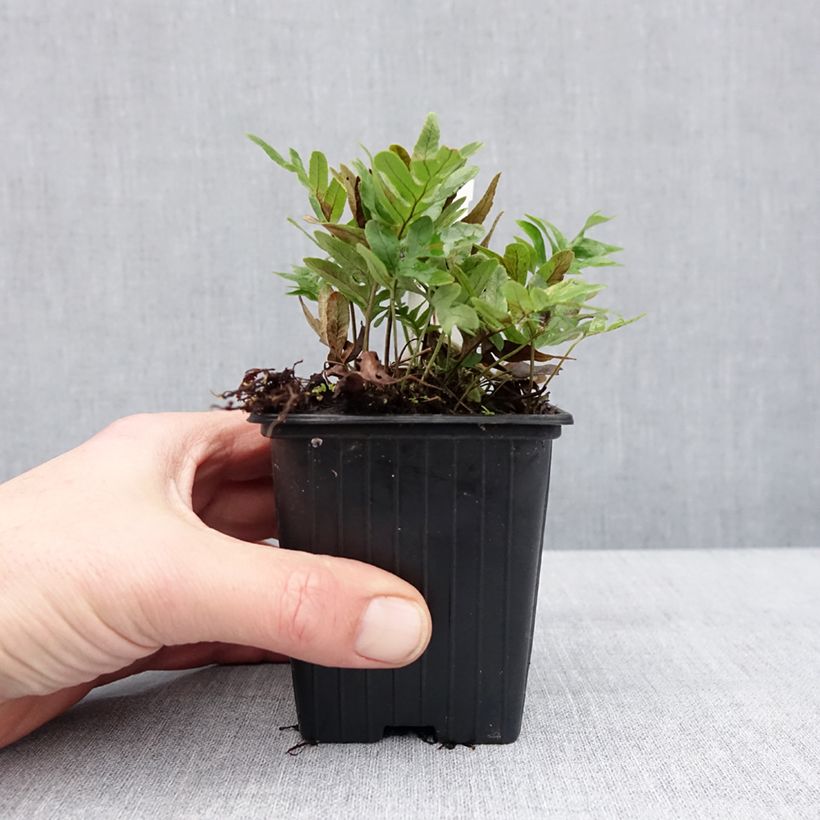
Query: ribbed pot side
[457, 508]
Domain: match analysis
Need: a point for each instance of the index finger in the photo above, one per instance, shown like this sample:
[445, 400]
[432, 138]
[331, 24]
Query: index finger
[216, 443]
[222, 443]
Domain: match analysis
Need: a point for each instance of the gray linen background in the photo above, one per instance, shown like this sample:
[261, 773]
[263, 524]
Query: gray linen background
[139, 226]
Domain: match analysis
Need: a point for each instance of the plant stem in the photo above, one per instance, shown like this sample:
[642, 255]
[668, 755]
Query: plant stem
[387, 332]
[368, 316]
[423, 337]
[406, 342]
[396, 323]
[532, 366]
[563, 359]
[433, 355]
[464, 394]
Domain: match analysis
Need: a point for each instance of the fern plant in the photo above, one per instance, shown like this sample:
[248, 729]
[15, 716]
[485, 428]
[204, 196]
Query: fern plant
[417, 311]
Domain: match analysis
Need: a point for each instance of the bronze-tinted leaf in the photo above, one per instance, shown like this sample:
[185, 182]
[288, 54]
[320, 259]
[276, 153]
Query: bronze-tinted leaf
[352, 349]
[358, 213]
[333, 200]
[351, 183]
[348, 233]
[324, 298]
[336, 321]
[372, 370]
[479, 212]
[560, 263]
[512, 352]
[401, 152]
[485, 243]
[311, 319]
[523, 370]
[345, 176]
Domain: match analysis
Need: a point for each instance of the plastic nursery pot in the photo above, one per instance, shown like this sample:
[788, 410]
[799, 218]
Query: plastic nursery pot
[456, 506]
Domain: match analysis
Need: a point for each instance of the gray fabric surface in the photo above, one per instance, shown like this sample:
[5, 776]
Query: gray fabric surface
[139, 226]
[663, 684]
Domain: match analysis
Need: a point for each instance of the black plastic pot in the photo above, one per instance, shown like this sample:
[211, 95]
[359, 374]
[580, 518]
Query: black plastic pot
[454, 505]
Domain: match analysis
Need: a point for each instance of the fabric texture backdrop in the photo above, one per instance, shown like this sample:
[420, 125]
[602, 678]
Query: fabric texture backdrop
[139, 227]
[696, 698]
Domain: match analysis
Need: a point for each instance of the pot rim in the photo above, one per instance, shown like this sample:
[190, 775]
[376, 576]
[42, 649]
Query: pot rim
[310, 419]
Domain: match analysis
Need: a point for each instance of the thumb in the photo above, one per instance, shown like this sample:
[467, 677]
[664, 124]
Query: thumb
[327, 610]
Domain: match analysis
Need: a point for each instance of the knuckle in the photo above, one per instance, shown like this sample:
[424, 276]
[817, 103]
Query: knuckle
[305, 611]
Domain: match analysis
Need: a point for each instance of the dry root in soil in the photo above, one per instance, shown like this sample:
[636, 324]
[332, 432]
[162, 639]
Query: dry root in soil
[366, 387]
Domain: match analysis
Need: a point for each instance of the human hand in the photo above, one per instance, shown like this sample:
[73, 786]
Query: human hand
[138, 550]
